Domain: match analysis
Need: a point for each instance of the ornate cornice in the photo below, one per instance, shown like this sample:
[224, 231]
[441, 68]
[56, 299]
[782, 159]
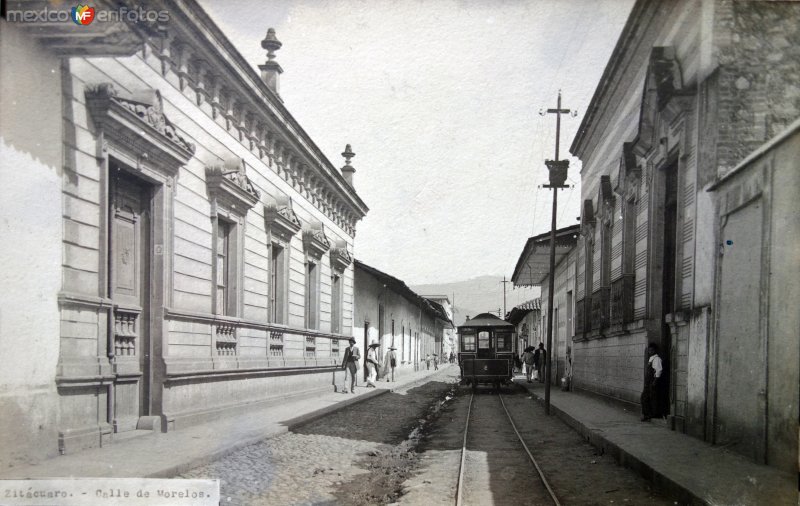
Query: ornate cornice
[135, 121]
[629, 172]
[664, 97]
[232, 188]
[606, 200]
[281, 220]
[340, 257]
[315, 242]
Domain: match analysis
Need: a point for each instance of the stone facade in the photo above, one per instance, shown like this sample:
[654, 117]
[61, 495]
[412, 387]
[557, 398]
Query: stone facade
[183, 248]
[691, 88]
[388, 311]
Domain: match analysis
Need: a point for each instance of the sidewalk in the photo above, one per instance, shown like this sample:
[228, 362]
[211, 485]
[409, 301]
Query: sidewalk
[159, 455]
[684, 467]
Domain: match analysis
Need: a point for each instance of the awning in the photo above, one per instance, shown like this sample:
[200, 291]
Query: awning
[533, 265]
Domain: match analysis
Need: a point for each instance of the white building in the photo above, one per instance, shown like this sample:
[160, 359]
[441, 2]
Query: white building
[176, 245]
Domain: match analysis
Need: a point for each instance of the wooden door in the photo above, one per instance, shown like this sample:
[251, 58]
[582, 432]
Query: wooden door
[129, 275]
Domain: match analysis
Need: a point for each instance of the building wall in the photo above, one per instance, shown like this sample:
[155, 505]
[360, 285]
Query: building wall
[32, 252]
[754, 407]
[730, 68]
[75, 384]
[415, 330]
[532, 335]
[563, 330]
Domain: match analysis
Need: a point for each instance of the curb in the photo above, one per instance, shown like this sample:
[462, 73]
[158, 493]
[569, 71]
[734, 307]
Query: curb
[660, 481]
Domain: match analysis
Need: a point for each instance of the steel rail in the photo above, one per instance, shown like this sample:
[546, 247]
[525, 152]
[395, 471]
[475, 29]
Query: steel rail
[460, 484]
[462, 465]
[530, 455]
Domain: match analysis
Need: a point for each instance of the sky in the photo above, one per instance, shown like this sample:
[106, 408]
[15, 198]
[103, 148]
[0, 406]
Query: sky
[440, 101]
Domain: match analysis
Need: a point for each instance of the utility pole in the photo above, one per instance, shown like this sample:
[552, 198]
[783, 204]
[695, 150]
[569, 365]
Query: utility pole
[504, 296]
[558, 176]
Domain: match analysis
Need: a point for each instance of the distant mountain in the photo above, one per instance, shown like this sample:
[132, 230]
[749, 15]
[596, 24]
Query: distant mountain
[482, 294]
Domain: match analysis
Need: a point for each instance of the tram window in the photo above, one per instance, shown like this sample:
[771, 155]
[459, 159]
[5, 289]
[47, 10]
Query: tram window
[483, 340]
[468, 342]
[503, 341]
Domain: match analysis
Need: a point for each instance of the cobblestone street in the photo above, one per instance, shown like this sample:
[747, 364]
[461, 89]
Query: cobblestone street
[404, 447]
[355, 456]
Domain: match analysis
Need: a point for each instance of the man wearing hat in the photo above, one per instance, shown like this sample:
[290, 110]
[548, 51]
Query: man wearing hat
[372, 363]
[390, 361]
[350, 363]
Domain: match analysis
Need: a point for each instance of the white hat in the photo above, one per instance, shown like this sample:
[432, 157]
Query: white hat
[374, 343]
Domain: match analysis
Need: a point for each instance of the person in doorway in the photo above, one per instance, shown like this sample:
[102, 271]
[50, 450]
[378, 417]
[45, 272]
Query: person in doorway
[539, 362]
[566, 381]
[350, 364]
[390, 363]
[428, 361]
[528, 359]
[372, 363]
[653, 377]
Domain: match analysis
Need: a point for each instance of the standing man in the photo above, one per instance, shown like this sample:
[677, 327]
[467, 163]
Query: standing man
[350, 363]
[390, 361]
[541, 358]
[653, 378]
[435, 362]
[372, 363]
[428, 361]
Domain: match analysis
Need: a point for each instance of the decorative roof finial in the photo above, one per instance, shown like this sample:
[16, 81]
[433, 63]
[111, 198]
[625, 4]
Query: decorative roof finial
[348, 170]
[271, 44]
[270, 70]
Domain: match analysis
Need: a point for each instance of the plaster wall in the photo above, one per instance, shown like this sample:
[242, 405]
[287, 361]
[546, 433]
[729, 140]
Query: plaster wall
[32, 252]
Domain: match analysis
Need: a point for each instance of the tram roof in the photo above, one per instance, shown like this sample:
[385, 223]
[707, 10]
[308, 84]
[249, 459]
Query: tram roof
[485, 320]
[533, 265]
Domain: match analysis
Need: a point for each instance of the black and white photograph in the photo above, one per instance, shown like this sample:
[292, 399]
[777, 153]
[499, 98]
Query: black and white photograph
[399, 252]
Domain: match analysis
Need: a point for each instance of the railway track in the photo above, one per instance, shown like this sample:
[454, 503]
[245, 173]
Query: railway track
[496, 464]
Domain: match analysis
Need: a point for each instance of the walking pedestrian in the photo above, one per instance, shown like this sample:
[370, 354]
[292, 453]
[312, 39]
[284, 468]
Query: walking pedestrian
[653, 385]
[372, 363]
[435, 362]
[428, 361]
[452, 357]
[350, 363]
[529, 360]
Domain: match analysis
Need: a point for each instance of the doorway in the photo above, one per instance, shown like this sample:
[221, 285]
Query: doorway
[129, 245]
[668, 290]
